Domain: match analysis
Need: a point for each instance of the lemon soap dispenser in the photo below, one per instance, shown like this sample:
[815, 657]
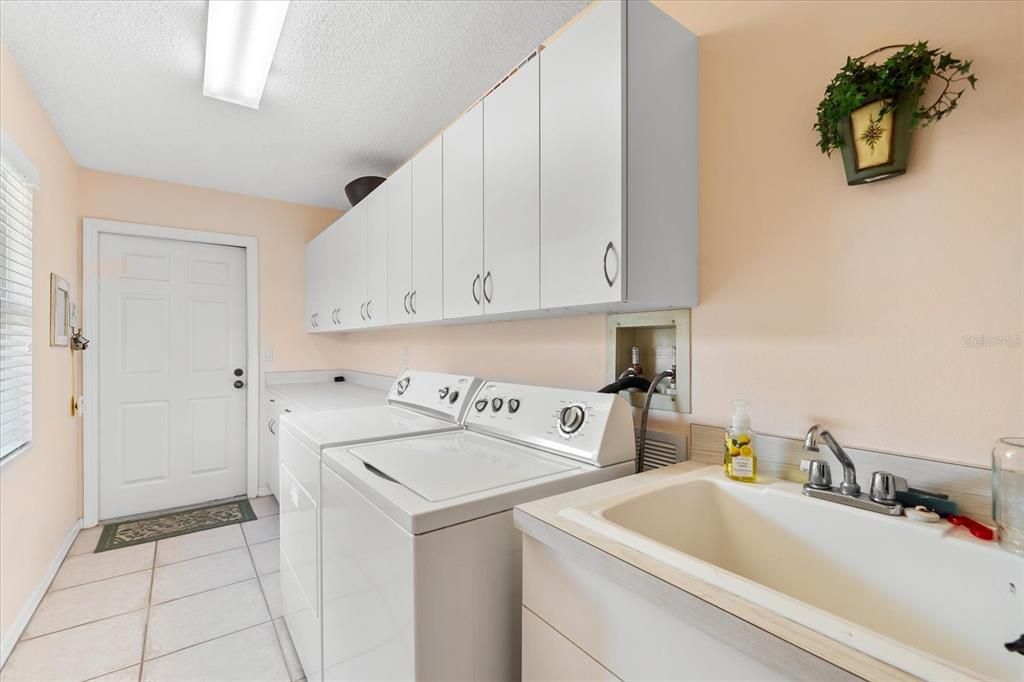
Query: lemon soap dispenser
[740, 458]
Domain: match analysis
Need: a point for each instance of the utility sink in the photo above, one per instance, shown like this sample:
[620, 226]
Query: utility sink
[929, 599]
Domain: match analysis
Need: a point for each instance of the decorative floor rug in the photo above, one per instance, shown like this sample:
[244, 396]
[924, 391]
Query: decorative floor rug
[138, 531]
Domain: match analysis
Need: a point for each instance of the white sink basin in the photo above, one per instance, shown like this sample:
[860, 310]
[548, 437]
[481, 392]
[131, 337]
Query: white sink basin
[926, 598]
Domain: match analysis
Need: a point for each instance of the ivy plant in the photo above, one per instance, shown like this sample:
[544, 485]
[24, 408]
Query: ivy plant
[899, 80]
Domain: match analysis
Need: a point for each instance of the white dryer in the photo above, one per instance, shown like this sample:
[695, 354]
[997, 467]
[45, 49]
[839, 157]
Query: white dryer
[418, 403]
[423, 577]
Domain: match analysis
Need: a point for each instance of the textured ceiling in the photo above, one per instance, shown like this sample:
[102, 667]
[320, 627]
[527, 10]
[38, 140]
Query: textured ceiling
[355, 89]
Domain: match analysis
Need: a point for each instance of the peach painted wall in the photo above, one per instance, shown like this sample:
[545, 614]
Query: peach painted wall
[857, 307]
[40, 489]
[282, 229]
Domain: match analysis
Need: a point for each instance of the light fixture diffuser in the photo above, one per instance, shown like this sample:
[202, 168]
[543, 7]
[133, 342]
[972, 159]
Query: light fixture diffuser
[241, 38]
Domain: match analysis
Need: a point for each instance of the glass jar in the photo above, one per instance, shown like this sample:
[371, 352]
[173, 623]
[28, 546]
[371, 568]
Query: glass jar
[1008, 493]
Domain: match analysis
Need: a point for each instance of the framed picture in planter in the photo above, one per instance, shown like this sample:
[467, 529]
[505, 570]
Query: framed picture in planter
[870, 109]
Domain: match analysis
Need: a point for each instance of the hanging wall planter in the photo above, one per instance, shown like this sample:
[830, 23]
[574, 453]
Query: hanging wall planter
[869, 110]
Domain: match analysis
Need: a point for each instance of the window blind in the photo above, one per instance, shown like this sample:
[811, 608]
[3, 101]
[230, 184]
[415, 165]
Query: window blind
[15, 308]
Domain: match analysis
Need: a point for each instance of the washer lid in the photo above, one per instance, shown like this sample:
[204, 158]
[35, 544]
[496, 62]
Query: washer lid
[439, 469]
[320, 430]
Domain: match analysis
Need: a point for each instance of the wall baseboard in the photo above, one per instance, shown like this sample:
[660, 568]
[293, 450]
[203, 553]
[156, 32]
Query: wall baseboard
[28, 610]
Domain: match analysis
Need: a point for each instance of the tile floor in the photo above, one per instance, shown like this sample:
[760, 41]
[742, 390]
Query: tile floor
[203, 606]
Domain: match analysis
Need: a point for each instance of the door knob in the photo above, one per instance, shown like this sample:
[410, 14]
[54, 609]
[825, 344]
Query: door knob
[239, 384]
[238, 371]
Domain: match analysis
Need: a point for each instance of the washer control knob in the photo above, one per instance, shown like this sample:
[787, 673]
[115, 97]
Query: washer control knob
[453, 396]
[496, 404]
[480, 405]
[402, 385]
[570, 419]
[443, 392]
[513, 405]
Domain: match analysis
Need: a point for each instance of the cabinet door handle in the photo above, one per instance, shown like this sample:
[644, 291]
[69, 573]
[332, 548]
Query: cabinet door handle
[270, 427]
[476, 296]
[412, 301]
[362, 310]
[405, 303]
[315, 324]
[608, 249]
[487, 296]
[369, 309]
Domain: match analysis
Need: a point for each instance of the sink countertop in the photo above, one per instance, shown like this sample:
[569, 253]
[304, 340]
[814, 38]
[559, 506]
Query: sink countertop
[546, 511]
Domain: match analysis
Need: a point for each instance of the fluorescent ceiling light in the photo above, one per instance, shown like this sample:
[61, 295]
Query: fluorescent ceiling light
[241, 37]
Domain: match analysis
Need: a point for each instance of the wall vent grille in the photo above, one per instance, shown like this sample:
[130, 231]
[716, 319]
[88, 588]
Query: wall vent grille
[663, 449]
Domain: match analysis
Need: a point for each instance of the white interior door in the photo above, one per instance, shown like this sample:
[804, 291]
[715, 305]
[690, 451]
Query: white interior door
[171, 344]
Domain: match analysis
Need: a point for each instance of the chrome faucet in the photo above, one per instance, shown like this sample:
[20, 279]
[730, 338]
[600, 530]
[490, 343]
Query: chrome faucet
[849, 486]
[819, 479]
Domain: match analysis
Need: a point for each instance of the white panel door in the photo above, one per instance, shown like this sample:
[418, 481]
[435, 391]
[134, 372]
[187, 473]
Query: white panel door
[376, 257]
[399, 261]
[511, 280]
[171, 340]
[581, 162]
[353, 267]
[427, 233]
[464, 215]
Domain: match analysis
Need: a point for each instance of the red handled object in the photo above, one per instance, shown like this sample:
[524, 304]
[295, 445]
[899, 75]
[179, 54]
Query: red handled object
[978, 530]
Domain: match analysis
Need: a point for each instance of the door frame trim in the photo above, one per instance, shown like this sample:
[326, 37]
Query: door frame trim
[91, 230]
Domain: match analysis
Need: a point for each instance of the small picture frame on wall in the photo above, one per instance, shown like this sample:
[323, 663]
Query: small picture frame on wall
[60, 304]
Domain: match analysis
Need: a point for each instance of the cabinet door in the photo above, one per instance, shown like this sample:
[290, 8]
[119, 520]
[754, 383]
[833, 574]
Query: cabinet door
[353, 272]
[318, 281]
[312, 289]
[581, 161]
[427, 233]
[377, 257]
[511, 279]
[464, 215]
[399, 261]
[331, 259]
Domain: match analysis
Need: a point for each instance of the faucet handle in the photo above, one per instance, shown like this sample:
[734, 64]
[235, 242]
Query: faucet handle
[884, 486]
[819, 474]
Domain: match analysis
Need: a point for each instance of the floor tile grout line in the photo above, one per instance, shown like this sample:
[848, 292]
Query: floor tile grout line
[266, 602]
[207, 641]
[78, 625]
[149, 610]
[93, 582]
[210, 589]
[148, 605]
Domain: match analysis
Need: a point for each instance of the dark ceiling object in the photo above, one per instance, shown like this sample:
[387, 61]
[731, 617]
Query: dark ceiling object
[360, 188]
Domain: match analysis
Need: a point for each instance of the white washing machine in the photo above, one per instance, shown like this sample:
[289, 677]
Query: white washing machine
[422, 565]
[418, 403]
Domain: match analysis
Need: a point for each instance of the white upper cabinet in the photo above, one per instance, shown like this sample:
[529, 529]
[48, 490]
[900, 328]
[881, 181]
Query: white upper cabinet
[618, 157]
[427, 221]
[376, 309]
[511, 279]
[582, 162]
[352, 272]
[572, 186]
[333, 285]
[398, 190]
[464, 215]
[322, 288]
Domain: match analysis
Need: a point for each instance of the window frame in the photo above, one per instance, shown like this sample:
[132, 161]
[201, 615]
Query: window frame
[18, 164]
